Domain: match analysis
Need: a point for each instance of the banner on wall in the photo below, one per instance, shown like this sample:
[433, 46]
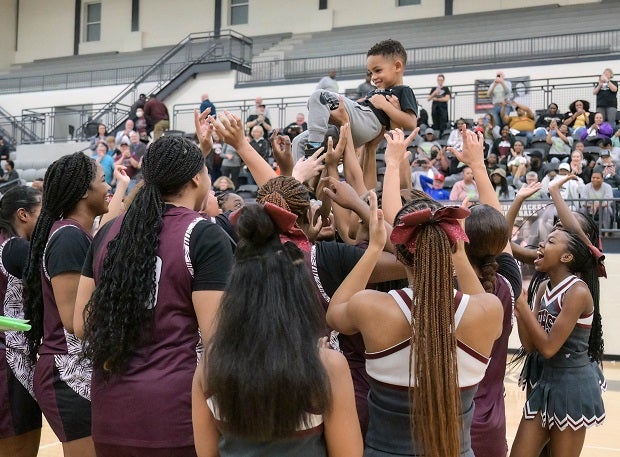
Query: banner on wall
[520, 92]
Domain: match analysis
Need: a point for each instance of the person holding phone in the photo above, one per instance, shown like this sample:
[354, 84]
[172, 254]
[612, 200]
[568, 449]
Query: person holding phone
[500, 91]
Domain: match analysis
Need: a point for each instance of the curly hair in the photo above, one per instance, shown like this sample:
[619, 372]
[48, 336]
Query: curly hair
[389, 48]
[487, 231]
[66, 180]
[432, 338]
[262, 387]
[25, 197]
[119, 315]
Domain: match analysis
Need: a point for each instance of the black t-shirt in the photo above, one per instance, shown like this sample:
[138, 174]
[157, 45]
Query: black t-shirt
[334, 262]
[406, 99]
[204, 249]
[443, 92]
[253, 117]
[15, 256]
[606, 98]
[66, 251]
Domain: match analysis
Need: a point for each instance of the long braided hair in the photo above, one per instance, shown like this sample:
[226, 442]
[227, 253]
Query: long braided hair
[435, 401]
[66, 180]
[120, 312]
[487, 231]
[584, 264]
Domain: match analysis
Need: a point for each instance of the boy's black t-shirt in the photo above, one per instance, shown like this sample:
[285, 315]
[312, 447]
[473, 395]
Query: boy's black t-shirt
[405, 97]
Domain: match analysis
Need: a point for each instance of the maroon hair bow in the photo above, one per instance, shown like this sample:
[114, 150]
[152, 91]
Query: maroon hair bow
[406, 232]
[599, 257]
[284, 221]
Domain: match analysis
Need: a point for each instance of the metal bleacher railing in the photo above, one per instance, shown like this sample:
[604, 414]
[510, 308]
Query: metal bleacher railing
[42, 123]
[443, 57]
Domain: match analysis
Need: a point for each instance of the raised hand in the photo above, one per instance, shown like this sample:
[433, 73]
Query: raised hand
[473, 148]
[342, 193]
[527, 190]
[307, 168]
[229, 128]
[376, 226]
[397, 144]
[203, 130]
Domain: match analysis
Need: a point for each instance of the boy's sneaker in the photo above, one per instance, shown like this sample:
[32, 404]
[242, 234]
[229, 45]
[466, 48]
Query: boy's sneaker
[330, 99]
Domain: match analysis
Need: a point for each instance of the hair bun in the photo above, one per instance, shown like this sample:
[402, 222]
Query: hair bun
[255, 227]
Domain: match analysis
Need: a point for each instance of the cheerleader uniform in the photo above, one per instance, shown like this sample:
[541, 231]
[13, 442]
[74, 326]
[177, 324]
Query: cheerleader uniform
[568, 392]
[19, 412]
[61, 378]
[389, 431]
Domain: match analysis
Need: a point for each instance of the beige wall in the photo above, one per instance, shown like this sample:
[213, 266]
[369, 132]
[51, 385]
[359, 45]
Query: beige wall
[45, 29]
[46, 26]
[8, 11]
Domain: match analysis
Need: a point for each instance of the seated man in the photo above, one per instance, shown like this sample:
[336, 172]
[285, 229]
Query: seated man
[523, 122]
[428, 141]
[9, 172]
[434, 186]
[560, 140]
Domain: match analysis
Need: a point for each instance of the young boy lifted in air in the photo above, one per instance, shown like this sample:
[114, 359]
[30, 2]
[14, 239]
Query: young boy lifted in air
[390, 105]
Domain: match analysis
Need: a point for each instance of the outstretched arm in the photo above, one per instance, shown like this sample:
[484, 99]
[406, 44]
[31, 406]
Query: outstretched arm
[569, 221]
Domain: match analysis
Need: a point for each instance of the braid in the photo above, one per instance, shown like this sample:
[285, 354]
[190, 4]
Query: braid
[66, 181]
[436, 399]
[120, 311]
[287, 193]
[435, 402]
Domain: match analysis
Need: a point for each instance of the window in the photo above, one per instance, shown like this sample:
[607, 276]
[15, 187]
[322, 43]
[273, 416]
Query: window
[93, 22]
[239, 12]
[322, 4]
[408, 2]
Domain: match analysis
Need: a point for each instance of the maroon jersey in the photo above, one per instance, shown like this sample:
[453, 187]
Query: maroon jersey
[149, 403]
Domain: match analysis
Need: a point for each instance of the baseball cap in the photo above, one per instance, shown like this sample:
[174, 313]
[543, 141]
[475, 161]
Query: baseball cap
[534, 153]
[126, 141]
[564, 166]
[439, 177]
[604, 152]
[428, 131]
[499, 171]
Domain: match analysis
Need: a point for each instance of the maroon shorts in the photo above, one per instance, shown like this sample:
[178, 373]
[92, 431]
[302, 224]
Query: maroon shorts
[113, 450]
[19, 412]
[67, 412]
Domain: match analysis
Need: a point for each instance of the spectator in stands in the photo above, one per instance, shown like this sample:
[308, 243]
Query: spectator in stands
[295, 128]
[259, 143]
[439, 96]
[223, 185]
[328, 82]
[500, 92]
[503, 190]
[131, 163]
[107, 162]
[599, 130]
[543, 122]
[578, 166]
[502, 146]
[523, 122]
[489, 129]
[365, 87]
[419, 167]
[536, 164]
[142, 125]
[139, 103]
[455, 140]
[610, 175]
[231, 163]
[157, 113]
[615, 139]
[601, 208]
[9, 172]
[571, 191]
[492, 163]
[560, 140]
[428, 142]
[517, 157]
[606, 92]
[112, 149]
[259, 119]
[465, 188]
[129, 125]
[423, 120]
[214, 159]
[206, 103]
[4, 149]
[137, 148]
[99, 136]
[434, 186]
[578, 116]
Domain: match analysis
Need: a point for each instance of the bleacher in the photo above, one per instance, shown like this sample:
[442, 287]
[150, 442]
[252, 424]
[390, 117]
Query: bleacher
[467, 28]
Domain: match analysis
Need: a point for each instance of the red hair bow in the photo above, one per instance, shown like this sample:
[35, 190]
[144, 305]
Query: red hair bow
[285, 222]
[406, 232]
[599, 257]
